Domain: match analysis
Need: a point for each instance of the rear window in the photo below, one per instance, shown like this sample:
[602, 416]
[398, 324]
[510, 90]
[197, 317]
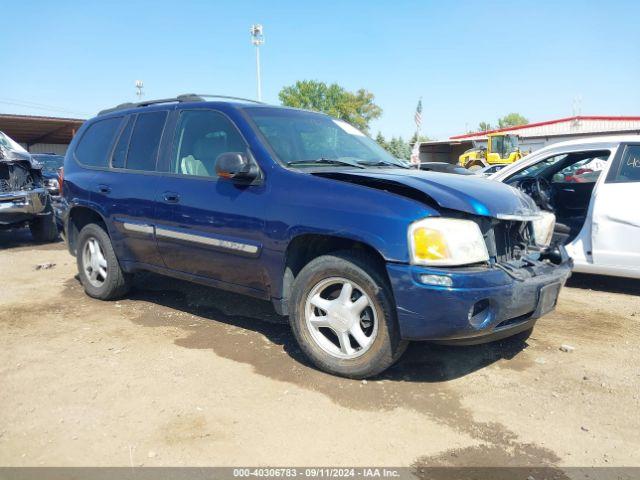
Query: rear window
[95, 145]
[145, 141]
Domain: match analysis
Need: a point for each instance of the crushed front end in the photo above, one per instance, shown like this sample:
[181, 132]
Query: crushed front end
[482, 302]
[23, 195]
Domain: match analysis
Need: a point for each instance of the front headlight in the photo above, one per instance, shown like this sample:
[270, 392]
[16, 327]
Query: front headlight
[543, 228]
[446, 242]
[51, 184]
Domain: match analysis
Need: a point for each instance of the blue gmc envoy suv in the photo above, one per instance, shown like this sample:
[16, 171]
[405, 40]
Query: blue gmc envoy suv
[361, 252]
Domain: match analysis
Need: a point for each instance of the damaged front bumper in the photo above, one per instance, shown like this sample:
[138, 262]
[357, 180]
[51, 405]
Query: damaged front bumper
[474, 304]
[21, 206]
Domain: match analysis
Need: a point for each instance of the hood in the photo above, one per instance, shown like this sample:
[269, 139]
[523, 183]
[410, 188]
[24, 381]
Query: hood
[11, 151]
[7, 155]
[470, 194]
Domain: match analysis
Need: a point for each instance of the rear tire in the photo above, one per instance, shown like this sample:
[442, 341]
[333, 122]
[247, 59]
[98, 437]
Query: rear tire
[44, 228]
[98, 266]
[343, 339]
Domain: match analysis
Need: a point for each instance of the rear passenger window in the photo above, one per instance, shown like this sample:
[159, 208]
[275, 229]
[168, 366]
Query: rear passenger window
[145, 140]
[629, 169]
[202, 136]
[95, 144]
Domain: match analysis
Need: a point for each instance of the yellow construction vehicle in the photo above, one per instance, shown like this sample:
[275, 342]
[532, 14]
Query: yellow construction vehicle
[501, 149]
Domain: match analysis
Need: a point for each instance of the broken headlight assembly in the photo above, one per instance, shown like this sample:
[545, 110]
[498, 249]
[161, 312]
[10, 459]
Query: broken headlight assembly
[51, 184]
[543, 228]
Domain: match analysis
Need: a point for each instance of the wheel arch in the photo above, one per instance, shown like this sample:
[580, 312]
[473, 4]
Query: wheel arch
[79, 216]
[304, 247]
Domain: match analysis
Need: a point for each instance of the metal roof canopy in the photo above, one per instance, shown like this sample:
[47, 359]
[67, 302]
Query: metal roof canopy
[29, 129]
[571, 126]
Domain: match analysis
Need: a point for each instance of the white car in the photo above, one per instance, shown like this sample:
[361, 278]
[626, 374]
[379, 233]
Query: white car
[593, 187]
[490, 170]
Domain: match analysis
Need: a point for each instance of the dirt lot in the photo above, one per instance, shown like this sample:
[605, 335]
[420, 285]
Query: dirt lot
[177, 374]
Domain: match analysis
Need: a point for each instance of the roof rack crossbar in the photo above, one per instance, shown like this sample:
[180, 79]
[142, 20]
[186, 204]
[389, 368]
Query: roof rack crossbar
[186, 97]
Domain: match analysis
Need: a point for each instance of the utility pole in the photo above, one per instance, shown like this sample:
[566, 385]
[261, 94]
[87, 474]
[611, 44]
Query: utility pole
[257, 39]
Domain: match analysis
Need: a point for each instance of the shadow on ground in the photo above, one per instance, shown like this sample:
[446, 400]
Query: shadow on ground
[423, 362]
[604, 283]
[21, 237]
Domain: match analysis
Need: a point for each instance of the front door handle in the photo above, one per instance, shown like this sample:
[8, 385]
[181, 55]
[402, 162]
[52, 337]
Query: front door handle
[104, 188]
[171, 197]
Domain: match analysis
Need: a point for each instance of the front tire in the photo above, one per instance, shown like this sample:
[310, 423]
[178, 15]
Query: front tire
[343, 315]
[44, 228]
[98, 266]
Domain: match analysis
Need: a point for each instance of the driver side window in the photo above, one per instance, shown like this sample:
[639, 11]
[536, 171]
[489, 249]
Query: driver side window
[201, 137]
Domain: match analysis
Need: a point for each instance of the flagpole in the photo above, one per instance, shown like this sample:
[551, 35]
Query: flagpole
[418, 125]
[415, 151]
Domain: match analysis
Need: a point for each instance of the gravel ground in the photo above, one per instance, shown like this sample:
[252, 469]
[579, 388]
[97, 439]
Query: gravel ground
[178, 374]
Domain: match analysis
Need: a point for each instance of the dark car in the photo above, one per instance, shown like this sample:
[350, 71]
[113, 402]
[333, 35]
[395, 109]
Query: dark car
[444, 167]
[51, 165]
[24, 200]
[304, 210]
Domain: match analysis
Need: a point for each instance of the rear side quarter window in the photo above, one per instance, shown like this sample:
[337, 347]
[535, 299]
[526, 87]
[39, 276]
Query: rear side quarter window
[95, 145]
[628, 168]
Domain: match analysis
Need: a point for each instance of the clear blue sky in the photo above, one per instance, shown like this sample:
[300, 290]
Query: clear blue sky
[470, 61]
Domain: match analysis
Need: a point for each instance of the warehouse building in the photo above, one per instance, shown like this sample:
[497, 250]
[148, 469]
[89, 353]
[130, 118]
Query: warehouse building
[532, 136]
[40, 134]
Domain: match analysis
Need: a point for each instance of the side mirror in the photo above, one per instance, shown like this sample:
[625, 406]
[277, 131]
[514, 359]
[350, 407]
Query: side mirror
[237, 167]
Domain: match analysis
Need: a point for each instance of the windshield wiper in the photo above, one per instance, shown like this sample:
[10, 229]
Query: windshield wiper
[334, 161]
[384, 164]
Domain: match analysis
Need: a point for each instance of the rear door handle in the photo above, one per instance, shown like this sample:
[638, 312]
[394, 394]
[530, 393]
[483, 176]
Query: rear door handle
[569, 190]
[171, 197]
[104, 188]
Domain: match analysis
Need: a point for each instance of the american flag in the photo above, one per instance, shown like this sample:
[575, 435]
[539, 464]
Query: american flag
[418, 115]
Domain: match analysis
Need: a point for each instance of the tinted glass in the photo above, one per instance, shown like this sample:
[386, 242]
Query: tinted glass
[203, 135]
[95, 144]
[629, 170]
[145, 141]
[120, 152]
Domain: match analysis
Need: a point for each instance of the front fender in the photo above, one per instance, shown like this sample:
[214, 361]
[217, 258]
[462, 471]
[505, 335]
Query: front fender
[305, 204]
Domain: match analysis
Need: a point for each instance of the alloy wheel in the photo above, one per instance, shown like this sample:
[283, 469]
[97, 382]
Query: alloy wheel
[94, 262]
[341, 317]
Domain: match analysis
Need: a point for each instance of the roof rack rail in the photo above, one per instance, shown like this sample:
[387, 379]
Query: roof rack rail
[186, 97]
[226, 97]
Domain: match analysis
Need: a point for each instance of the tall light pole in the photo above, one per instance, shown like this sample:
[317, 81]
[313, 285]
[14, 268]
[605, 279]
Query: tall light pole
[257, 38]
[139, 87]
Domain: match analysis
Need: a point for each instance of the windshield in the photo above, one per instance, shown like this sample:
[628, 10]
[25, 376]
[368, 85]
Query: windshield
[8, 143]
[300, 137]
[50, 163]
[510, 144]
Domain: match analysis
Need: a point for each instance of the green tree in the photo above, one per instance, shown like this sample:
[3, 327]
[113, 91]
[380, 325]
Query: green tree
[415, 138]
[512, 120]
[399, 148]
[484, 126]
[357, 108]
[381, 140]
